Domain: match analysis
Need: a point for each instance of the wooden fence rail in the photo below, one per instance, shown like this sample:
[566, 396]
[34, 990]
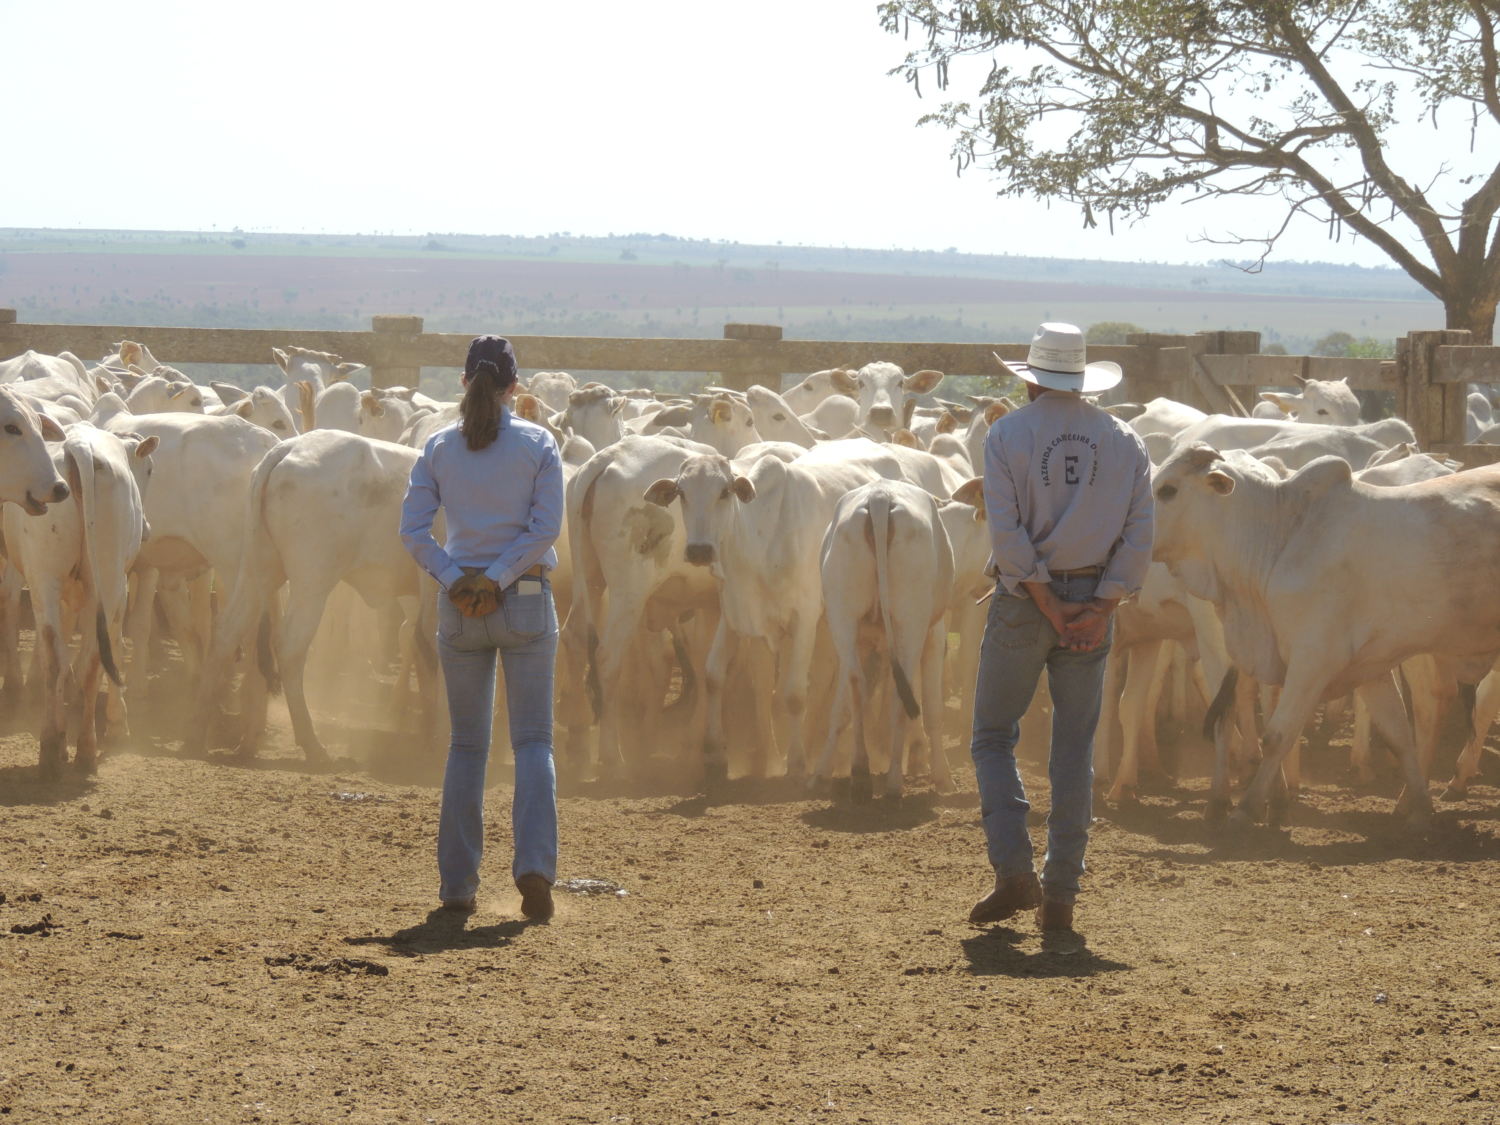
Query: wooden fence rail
[1216, 371]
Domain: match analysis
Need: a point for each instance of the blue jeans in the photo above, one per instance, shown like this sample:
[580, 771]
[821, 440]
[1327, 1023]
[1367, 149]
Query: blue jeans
[524, 633]
[1018, 643]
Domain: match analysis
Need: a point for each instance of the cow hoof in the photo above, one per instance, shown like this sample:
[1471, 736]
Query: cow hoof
[860, 789]
[1239, 822]
[1454, 792]
[1123, 795]
[839, 790]
[944, 784]
[816, 783]
[85, 765]
[715, 779]
[893, 792]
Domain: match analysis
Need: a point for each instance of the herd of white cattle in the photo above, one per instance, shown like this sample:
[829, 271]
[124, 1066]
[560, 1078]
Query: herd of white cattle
[837, 527]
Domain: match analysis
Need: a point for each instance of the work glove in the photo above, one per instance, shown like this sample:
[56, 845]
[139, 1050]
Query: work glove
[475, 594]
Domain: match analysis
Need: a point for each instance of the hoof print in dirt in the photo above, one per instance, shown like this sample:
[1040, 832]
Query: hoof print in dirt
[340, 966]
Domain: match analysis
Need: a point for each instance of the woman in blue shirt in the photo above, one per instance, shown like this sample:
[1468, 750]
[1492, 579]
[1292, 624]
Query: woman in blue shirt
[498, 479]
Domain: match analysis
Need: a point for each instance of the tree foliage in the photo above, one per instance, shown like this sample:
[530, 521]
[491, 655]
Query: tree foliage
[1118, 105]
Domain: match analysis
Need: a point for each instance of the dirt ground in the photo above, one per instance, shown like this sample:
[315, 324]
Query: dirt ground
[212, 941]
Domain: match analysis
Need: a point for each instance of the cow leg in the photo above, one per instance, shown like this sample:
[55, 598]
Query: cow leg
[1389, 717]
[139, 617]
[859, 761]
[304, 610]
[933, 696]
[1294, 707]
[51, 664]
[1486, 707]
[11, 587]
[796, 659]
[1135, 713]
[1359, 750]
[86, 757]
[720, 655]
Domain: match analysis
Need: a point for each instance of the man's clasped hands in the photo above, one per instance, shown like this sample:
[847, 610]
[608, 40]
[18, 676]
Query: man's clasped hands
[1081, 626]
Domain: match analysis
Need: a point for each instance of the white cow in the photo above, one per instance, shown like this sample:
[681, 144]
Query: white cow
[1328, 402]
[593, 413]
[775, 420]
[629, 574]
[323, 507]
[759, 535]
[75, 556]
[887, 579]
[885, 393]
[28, 477]
[553, 388]
[1325, 584]
[806, 395]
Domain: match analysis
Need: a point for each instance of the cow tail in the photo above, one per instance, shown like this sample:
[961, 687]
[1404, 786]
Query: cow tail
[1222, 699]
[79, 456]
[880, 525]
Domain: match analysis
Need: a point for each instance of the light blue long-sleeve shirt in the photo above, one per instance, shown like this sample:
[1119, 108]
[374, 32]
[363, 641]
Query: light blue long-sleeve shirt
[503, 504]
[1067, 485]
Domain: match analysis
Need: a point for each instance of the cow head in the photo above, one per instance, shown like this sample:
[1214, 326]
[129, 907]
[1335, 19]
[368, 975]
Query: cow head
[707, 488]
[1323, 401]
[593, 413]
[724, 421]
[28, 476]
[1186, 487]
[883, 389]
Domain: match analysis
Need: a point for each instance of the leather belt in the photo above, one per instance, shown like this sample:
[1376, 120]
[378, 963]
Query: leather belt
[1078, 572]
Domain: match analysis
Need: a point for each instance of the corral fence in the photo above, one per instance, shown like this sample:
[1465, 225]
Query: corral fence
[1216, 371]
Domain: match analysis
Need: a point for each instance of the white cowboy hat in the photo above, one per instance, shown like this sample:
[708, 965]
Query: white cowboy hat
[1057, 361]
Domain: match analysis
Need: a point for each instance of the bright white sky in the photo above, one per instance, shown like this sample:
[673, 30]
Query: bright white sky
[766, 122]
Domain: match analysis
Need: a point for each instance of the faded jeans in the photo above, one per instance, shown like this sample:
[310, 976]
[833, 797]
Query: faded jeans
[523, 631]
[1018, 643]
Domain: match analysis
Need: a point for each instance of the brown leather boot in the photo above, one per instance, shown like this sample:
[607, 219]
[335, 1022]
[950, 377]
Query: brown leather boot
[1053, 915]
[1010, 896]
[536, 897]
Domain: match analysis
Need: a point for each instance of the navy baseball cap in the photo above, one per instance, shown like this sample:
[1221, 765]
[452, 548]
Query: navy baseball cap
[495, 349]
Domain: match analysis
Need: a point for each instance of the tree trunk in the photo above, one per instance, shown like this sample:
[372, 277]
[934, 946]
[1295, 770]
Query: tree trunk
[1474, 311]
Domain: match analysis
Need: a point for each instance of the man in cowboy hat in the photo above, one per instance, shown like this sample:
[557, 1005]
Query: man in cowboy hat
[1067, 489]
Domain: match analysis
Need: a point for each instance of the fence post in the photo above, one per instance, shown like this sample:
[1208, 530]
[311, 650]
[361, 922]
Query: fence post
[760, 364]
[1175, 375]
[395, 329]
[7, 328]
[1436, 411]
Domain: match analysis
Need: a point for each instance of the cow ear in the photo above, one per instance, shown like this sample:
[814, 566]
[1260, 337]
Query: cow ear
[743, 489]
[947, 423]
[102, 382]
[1220, 481]
[344, 370]
[995, 411]
[720, 412]
[907, 438]
[280, 356]
[243, 408]
[130, 352]
[371, 402]
[921, 383]
[845, 381]
[147, 446]
[529, 407]
[663, 492]
[971, 492]
[49, 428]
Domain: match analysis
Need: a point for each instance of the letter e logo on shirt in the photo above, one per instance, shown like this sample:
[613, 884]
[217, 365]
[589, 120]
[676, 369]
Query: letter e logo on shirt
[1070, 469]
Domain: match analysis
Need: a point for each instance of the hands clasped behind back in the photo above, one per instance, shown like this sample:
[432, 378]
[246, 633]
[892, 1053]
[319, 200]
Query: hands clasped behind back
[475, 594]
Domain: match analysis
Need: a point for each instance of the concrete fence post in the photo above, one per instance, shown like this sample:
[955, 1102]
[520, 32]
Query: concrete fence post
[389, 331]
[8, 344]
[1436, 411]
[758, 363]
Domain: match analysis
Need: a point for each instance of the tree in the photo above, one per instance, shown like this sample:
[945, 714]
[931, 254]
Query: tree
[1110, 332]
[1128, 103]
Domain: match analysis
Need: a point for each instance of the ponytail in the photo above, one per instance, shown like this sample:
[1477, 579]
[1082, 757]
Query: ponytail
[489, 371]
[480, 408]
